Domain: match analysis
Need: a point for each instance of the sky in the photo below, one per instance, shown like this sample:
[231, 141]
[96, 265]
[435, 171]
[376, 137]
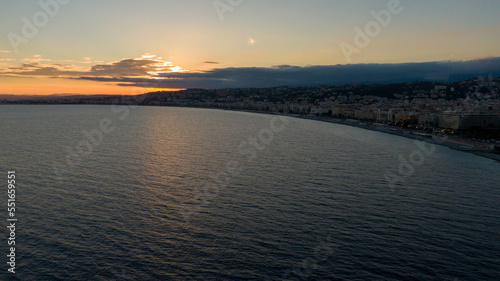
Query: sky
[130, 47]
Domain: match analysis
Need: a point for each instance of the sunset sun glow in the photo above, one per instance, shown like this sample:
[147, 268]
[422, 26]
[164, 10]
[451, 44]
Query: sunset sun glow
[178, 45]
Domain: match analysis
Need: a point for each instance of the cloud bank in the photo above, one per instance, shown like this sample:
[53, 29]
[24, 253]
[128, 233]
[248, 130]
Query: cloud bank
[316, 75]
[152, 72]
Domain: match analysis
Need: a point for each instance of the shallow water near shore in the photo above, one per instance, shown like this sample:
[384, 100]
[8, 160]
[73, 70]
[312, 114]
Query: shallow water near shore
[202, 194]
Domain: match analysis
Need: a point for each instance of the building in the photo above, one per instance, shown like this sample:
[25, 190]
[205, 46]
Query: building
[457, 121]
[429, 120]
[406, 118]
[385, 116]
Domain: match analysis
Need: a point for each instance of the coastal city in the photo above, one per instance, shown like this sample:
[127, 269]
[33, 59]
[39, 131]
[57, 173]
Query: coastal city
[470, 108]
[250, 140]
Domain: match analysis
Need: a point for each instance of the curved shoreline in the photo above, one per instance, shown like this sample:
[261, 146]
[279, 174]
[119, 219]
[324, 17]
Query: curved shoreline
[396, 131]
[445, 142]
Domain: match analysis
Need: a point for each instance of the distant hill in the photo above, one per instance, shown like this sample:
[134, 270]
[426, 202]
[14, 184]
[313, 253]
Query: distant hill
[478, 87]
[50, 97]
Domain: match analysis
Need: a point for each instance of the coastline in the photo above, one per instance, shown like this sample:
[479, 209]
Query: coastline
[448, 142]
[452, 143]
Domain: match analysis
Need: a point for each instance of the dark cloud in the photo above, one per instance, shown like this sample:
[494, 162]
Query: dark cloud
[211, 62]
[41, 69]
[317, 75]
[123, 68]
[128, 67]
[159, 74]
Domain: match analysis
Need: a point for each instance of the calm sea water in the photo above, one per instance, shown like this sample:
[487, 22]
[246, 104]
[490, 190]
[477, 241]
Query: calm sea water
[197, 194]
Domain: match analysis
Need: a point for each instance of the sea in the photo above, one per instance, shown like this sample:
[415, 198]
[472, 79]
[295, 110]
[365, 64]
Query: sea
[164, 193]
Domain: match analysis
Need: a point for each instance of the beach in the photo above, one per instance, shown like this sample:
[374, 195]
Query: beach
[454, 142]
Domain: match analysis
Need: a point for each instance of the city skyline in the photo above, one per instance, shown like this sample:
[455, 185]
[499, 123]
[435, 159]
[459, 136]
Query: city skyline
[127, 47]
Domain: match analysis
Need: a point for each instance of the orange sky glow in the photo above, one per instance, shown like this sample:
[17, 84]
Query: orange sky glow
[93, 48]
